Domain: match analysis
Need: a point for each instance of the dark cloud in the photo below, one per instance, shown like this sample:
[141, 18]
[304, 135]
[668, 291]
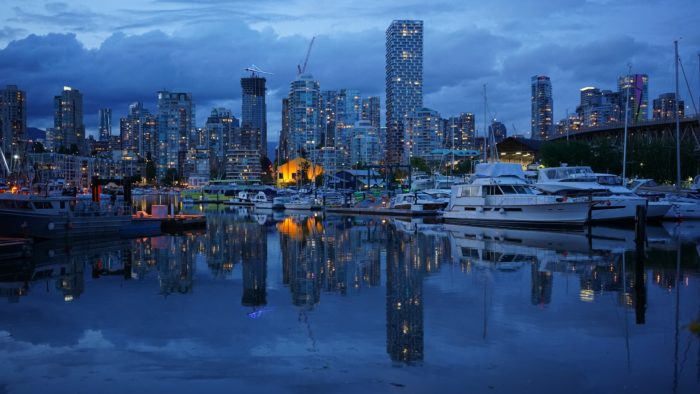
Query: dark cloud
[203, 47]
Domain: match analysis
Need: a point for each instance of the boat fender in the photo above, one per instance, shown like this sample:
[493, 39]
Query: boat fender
[501, 211]
[51, 226]
[480, 209]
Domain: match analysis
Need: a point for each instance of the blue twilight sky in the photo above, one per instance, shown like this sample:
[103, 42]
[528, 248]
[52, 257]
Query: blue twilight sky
[117, 52]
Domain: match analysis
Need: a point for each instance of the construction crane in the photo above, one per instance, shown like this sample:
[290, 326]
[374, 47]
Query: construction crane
[255, 70]
[302, 68]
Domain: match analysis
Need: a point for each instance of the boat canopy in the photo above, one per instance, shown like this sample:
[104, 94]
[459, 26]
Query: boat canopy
[495, 170]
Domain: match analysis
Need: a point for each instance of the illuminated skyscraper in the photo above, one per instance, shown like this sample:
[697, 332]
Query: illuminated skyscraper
[105, 117]
[542, 108]
[634, 88]
[371, 111]
[404, 82]
[13, 117]
[254, 112]
[305, 121]
[69, 130]
[176, 120]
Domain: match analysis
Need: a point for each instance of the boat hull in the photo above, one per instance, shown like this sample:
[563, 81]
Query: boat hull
[60, 226]
[556, 215]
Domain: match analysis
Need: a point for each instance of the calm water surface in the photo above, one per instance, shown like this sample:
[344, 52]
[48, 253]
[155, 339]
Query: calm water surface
[276, 303]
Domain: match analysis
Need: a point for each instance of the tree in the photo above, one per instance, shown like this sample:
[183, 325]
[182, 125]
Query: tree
[419, 164]
[170, 177]
[150, 168]
[267, 170]
[38, 147]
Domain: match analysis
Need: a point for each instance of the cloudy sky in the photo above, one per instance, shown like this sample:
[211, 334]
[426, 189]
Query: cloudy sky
[117, 52]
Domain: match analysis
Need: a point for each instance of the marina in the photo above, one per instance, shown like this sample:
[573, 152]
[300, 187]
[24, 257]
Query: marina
[399, 302]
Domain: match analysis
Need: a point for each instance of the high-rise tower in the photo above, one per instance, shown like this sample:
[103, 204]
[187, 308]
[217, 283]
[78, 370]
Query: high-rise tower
[404, 82]
[254, 112]
[69, 130]
[634, 88]
[176, 113]
[105, 117]
[542, 108]
[13, 117]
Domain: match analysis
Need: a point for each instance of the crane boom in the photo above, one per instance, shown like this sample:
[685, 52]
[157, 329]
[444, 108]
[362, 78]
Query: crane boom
[256, 70]
[302, 69]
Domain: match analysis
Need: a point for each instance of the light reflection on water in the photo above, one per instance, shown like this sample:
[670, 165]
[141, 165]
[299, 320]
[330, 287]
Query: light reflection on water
[263, 301]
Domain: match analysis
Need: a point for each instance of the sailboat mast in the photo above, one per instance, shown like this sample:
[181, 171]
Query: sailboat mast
[486, 135]
[678, 123]
[624, 143]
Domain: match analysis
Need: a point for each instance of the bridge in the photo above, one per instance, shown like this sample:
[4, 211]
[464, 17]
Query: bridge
[651, 130]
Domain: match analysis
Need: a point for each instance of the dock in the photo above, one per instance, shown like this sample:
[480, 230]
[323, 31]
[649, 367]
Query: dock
[383, 212]
[178, 223]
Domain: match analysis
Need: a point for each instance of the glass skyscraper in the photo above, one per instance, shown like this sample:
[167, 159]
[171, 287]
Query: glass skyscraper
[105, 117]
[542, 108]
[254, 112]
[305, 122]
[404, 82]
[13, 117]
[175, 126]
[69, 130]
[634, 88]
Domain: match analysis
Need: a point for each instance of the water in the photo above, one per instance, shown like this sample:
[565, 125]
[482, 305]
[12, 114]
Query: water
[263, 303]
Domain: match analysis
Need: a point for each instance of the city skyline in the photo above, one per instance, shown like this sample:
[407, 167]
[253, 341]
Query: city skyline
[459, 57]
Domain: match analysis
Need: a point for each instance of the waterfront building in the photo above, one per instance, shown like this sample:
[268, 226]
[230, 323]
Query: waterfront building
[298, 172]
[364, 146]
[69, 130]
[137, 131]
[243, 165]
[176, 125]
[222, 128]
[371, 111]
[329, 101]
[13, 118]
[254, 113]
[404, 82]
[423, 134]
[598, 108]
[634, 88]
[305, 122]
[348, 112]
[459, 131]
[570, 125]
[105, 118]
[542, 107]
[665, 105]
[77, 171]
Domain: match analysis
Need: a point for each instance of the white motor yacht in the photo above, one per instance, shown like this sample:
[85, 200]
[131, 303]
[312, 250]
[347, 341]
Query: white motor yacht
[418, 201]
[614, 201]
[261, 201]
[499, 195]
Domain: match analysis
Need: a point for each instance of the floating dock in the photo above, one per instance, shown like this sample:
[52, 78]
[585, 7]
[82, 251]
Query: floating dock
[177, 223]
[383, 212]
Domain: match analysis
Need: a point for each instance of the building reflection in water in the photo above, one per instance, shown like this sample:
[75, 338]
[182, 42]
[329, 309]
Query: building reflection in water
[340, 255]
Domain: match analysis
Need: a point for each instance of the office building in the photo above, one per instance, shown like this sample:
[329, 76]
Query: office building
[13, 118]
[665, 105]
[254, 112]
[423, 135]
[305, 133]
[365, 148]
[542, 107]
[459, 132]
[404, 82]
[371, 111]
[222, 128]
[176, 126]
[635, 89]
[69, 130]
[105, 118]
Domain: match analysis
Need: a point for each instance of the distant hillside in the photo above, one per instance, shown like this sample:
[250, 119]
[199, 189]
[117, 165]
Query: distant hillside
[35, 134]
